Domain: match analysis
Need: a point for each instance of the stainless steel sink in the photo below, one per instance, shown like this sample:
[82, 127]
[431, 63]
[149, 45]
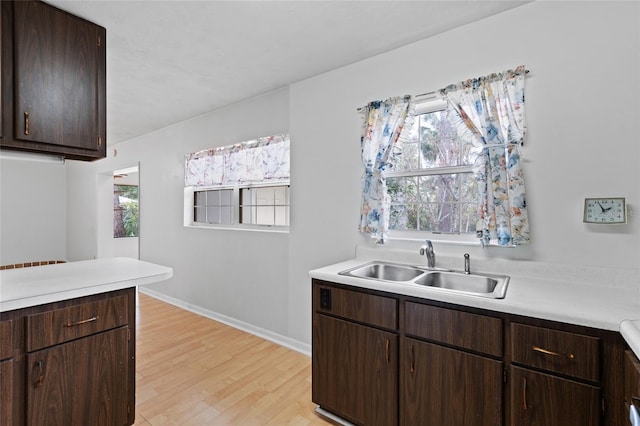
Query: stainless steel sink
[384, 271]
[484, 285]
[494, 286]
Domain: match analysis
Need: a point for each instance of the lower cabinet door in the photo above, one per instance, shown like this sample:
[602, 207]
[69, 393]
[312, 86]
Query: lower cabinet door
[539, 399]
[442, 386]
[6, 393]
[355, 370]
[83, 382]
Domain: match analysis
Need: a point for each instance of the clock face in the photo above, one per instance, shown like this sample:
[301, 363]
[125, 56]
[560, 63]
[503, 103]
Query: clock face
[605, 210]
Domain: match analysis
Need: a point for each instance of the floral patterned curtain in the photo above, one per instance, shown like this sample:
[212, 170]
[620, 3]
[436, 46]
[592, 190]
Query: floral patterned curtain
[259, 160]
[383, 125]
[492, 109]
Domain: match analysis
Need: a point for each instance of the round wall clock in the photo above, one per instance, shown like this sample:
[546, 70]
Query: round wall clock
[605, 210]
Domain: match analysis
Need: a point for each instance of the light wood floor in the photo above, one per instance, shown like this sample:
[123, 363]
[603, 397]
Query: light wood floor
[191, 370]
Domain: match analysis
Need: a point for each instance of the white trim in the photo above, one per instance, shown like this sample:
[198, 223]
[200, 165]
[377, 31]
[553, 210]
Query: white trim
[431, 171]
[279, 339]
[240, 227]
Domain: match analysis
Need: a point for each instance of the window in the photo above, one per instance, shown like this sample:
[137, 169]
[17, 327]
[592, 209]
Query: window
[265, 206]
[268, 206]
[244, 185]
[431, 183]
[125, 211]
[213, 206]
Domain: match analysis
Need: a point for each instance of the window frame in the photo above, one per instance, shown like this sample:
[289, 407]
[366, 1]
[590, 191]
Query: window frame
[189, 207]
[426, 106]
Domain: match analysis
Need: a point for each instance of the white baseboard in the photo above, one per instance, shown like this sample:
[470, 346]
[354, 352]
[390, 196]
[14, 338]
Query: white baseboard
[279, 339]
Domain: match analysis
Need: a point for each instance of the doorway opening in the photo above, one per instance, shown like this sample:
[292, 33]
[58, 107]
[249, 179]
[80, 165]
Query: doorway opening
[126, 212]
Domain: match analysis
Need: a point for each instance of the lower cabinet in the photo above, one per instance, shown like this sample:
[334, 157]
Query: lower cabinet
[539, 399]
[631, 383]
[92, 372]
[6, 372]
[387, 359]
[355, 370]
[70, 362]
[444, 386]
[6, 396]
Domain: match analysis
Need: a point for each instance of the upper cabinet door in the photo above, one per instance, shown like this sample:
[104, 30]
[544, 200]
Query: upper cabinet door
[58, 74]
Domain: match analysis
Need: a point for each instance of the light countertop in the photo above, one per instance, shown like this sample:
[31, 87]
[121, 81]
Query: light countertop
[553, 294]
[24, 287]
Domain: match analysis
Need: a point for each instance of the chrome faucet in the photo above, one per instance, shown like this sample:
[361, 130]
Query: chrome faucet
[427, 250]
[467, 264]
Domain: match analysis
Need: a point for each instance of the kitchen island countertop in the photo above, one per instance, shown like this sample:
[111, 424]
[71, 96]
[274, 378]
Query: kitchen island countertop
[25, 287]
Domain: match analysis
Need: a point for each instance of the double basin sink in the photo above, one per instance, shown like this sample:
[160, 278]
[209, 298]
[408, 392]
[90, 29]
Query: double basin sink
[484, 285]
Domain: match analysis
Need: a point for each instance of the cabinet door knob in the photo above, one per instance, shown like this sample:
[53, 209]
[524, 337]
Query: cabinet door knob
[26, 122]
[524, 393]
[386, 352]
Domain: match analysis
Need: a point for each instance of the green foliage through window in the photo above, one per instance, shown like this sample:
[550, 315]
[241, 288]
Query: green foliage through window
[431, 184]
[125, 211]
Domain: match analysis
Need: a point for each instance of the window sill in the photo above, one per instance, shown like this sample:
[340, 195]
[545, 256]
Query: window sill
[249, 228]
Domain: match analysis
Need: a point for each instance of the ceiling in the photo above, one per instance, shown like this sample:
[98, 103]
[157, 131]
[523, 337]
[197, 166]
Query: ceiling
[171, 60]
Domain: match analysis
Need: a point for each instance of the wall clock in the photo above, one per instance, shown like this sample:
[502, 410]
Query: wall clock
[605, 210]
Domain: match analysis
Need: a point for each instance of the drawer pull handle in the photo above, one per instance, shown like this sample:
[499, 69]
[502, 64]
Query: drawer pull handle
[73, 324]
[386, 352]
[26, 122]
[39, 373]
[524, 393]
[548, 352]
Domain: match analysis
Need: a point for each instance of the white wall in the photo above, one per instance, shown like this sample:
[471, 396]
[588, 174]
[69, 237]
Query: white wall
[582, 110]
[33, 210]
[239, 274]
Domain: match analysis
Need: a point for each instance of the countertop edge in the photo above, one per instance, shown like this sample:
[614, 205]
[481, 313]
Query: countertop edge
[140, 273]
[540, 298]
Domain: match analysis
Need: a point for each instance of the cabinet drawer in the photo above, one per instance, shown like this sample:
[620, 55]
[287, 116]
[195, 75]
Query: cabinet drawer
[571, 354]
[475, 332]
[61, 325]
[6, 339]
[366, 308]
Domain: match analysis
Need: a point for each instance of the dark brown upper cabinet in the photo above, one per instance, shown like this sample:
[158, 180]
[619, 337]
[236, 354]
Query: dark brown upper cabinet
[53, 82]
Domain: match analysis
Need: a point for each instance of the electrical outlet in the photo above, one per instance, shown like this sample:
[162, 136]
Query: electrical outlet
[325, 298]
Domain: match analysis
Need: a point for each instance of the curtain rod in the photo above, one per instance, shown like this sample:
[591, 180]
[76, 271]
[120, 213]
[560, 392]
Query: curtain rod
[428, 93]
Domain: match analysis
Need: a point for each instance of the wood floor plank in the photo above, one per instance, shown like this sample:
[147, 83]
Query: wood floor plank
[191, 370]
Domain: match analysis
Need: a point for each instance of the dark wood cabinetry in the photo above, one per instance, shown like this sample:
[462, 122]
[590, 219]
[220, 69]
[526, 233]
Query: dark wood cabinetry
[72, 362]
[631, 382]
[53, 81]
[444, 386]
[355, 360]
[6, 372]
[358, 379]
[92, 372]
[548, 400]
[570, 394]
[385, 358]
[440, 384]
